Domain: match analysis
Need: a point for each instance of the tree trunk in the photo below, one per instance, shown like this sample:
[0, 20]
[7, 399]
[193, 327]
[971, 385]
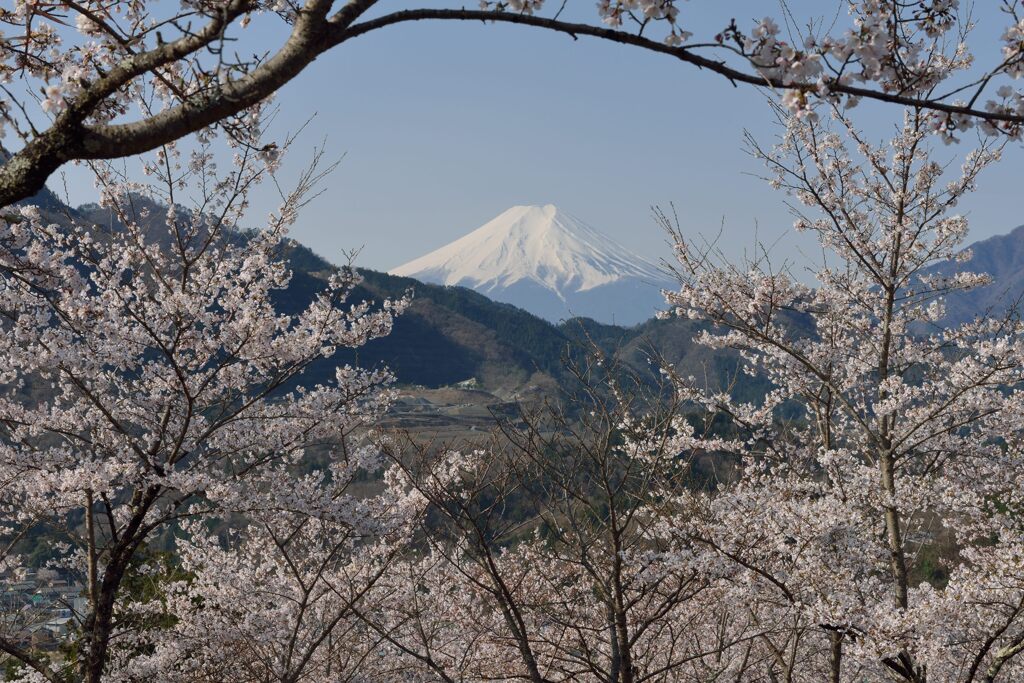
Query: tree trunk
[894, 533]
[837, 656]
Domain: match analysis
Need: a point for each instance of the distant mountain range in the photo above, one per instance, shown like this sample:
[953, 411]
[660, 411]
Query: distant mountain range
[1002, 258]
[549, 263]
[448, 335]
[451, 333]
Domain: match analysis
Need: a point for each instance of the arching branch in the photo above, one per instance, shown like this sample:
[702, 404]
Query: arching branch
[313, 33]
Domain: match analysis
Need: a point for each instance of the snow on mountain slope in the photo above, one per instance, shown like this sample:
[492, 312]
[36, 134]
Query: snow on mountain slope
[549, 263]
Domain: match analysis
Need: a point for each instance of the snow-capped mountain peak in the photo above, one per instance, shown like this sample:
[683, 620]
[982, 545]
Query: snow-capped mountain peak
[529, 254]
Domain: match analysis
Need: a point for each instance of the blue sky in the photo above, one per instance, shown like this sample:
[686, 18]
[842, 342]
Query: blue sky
[443, 126]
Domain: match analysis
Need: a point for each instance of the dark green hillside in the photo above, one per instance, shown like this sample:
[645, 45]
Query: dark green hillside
[529, 336]
[449, 334]
[533, 337]
[452, 334]
[587, 332]
[1002, 258]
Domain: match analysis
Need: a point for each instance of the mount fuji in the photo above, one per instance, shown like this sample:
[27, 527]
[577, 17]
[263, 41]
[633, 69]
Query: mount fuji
[549, 263]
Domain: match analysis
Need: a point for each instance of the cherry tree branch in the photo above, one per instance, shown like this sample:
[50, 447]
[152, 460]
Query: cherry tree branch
[25, 657]
[314, 33]
[682, 53]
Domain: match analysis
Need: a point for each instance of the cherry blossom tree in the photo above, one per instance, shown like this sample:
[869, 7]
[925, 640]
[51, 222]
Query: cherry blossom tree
[98, 79]
[544, 559]
[280, 600]
[900, 447]
[149, 390]
[149, 387]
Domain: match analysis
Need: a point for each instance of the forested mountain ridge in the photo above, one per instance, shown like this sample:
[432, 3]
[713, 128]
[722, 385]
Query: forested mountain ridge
[448, 334]
[1001, 257]
[451, 334]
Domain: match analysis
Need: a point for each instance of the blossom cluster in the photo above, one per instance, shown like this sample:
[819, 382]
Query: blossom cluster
[904, 457]
[151, 384]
